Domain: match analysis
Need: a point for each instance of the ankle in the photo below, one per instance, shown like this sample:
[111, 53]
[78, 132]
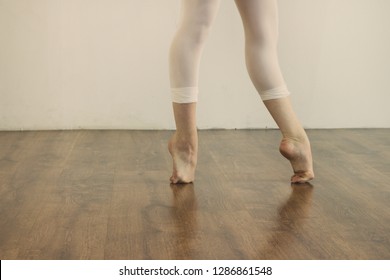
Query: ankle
[295, 140]
[299, 136]
[185, 142]
[186, 136]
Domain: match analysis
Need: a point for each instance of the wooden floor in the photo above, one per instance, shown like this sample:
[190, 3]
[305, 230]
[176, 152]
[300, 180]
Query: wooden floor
[106, 195]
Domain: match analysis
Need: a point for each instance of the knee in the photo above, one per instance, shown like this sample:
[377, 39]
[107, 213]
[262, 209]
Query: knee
[261, 29]
[201, 31]
[196, 31]
[262, 37]
[196, 21]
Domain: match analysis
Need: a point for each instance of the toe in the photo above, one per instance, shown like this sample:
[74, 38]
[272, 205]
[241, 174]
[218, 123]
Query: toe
[173, 179]
[301, 177]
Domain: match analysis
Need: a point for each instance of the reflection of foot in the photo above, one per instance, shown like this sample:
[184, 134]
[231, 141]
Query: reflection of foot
[298, 152]
[184, 156]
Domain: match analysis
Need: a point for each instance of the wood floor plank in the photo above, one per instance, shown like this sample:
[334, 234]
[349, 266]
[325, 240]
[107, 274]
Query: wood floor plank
[106, 195]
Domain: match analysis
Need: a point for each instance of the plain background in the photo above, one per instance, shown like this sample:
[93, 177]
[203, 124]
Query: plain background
[103, 64]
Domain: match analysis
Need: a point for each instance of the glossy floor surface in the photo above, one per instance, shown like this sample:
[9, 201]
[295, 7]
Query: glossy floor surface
[106, 195]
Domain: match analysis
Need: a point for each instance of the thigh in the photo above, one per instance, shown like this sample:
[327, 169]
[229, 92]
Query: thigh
[260, 17]
[199, 12]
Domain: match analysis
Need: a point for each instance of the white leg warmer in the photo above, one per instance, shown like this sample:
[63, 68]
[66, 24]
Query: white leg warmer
[187, 46]
[274, 93]
[184, 94]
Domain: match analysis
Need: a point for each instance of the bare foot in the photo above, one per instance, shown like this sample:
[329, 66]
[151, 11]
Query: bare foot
[184, 156]
[298, 152]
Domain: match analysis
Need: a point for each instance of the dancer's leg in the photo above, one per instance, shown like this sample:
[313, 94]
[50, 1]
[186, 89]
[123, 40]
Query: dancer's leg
[260, 20]
[184, 60]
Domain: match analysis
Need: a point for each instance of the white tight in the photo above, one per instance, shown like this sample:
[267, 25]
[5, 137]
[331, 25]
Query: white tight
[260, 20]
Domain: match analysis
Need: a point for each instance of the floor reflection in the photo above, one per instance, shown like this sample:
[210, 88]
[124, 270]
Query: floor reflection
[184, 214]
[292, 215]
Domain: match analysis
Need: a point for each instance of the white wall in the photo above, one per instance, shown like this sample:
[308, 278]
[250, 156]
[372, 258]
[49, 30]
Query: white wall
[67, 64]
